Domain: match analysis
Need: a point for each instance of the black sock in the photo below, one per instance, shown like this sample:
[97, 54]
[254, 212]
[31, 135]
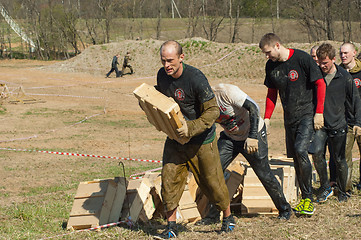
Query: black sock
[227, 218]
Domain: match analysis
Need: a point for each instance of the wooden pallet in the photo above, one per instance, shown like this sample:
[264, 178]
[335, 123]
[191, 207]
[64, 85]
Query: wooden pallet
[255, 199]
[96, 203]
[162, 111]
[234, 181]
[138, 193]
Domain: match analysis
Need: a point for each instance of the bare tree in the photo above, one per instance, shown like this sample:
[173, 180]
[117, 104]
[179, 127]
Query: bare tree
[194, 10]
[236, 24]
[159, 18]
[211, 23]
[106, 10]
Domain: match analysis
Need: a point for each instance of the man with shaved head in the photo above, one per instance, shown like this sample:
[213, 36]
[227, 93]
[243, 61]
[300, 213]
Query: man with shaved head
[353, 66]
[198, 152]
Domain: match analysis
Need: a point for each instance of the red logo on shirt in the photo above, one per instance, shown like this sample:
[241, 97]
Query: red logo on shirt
[357, 82]
[293, 75]
[179, 94]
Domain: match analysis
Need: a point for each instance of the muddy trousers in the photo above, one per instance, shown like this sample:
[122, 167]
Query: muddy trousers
[336, 142]
[203, 161]
[228, 151]
[298, 137]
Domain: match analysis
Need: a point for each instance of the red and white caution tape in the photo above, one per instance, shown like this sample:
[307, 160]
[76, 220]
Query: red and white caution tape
[133, 176]
[128, 222]
[81, 155]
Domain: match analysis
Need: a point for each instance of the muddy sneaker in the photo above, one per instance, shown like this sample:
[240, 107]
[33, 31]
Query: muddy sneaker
[342, 197]
[308, 208]
[212, 217]
[285, 215]
[169, 232]
[299, 206]
[324, 195]
[207, 221]
[228, 224]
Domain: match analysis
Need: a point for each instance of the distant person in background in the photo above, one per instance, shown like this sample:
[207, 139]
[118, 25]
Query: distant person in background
[313, 52]
[114, 66]
[126, 63]
[294, 75]
[353, 66]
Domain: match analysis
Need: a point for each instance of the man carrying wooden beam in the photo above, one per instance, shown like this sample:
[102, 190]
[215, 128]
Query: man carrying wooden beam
[190, 89]
[245, 132]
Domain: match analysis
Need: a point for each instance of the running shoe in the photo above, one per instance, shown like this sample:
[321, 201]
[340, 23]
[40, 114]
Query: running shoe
[169, 232]
[324, 195]
[308, 208]
[228, 224]
[299, 206]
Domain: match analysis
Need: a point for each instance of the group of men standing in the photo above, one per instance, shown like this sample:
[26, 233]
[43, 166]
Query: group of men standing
[321, 105]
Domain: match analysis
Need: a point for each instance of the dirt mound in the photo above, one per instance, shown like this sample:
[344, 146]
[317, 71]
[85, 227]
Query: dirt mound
[244, 62]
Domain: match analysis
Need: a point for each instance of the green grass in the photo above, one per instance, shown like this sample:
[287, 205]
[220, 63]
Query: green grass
[37, 217]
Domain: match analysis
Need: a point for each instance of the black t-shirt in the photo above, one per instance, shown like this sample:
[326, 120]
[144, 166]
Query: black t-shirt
[190, 90]
[294, 80]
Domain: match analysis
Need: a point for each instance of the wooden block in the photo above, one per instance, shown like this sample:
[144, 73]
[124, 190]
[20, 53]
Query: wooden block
[107, 203]
[93, 203]
[87, 206]
[137, 193]
[193, 187]
[202, 205]
[152, 176]
[91, 189]
[290, 184]
[118, 200]
[255, 197]
[234, 178]
[162, 111]
[187, 209]
[82, 222]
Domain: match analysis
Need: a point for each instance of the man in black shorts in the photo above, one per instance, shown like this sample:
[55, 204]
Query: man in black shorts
[244, 132]
[341, 97]
[294, 74]
[353, 66]
[190, 89]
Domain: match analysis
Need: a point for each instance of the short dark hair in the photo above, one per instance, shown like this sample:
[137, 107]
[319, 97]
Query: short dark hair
[176, 45]
[269, 39]
[326, 50]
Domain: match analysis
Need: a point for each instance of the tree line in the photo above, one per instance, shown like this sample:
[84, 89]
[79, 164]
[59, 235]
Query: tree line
[57, 26]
